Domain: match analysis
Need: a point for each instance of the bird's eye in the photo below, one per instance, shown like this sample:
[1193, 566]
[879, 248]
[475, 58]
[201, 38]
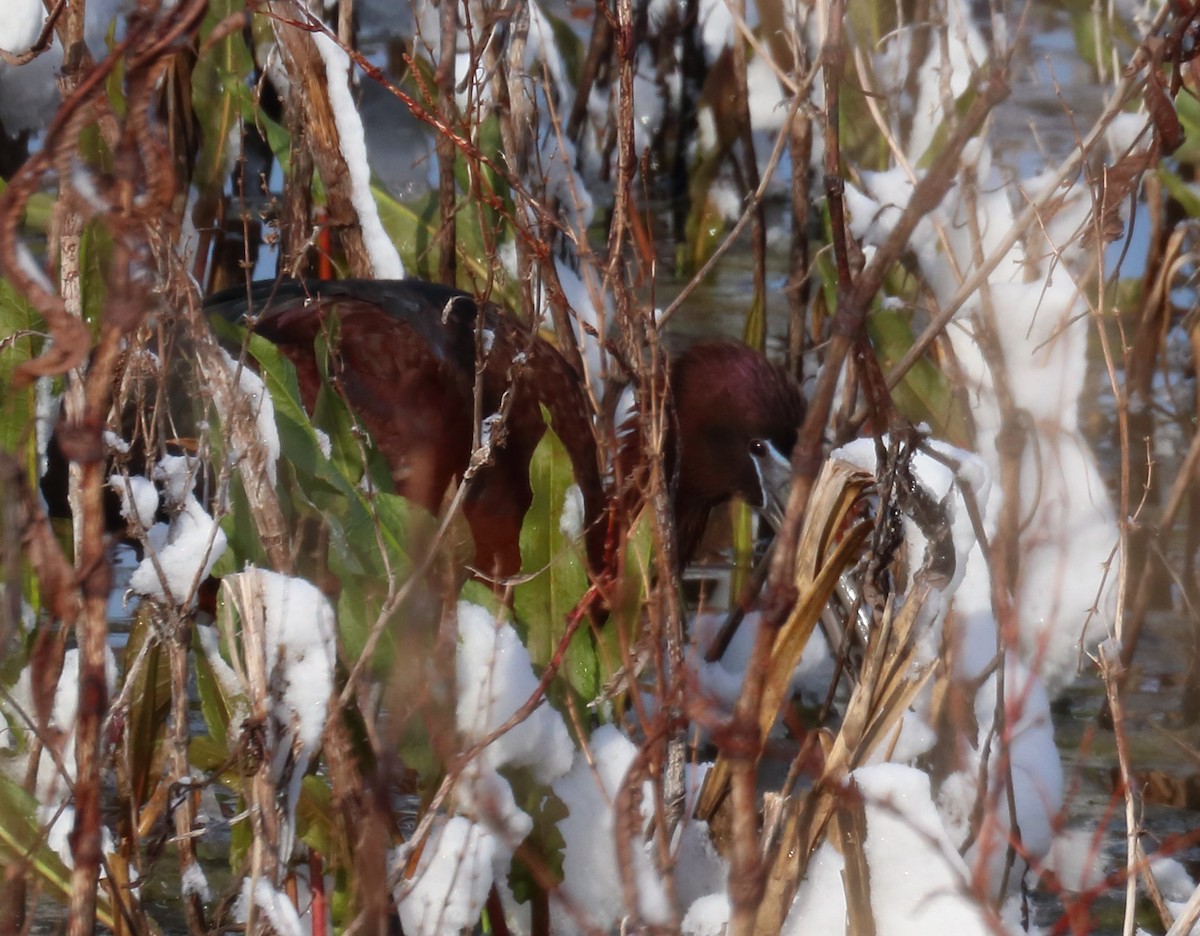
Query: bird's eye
[758, 448]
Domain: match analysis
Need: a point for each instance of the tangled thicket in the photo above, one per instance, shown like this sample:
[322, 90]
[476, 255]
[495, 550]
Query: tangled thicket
[361, 731]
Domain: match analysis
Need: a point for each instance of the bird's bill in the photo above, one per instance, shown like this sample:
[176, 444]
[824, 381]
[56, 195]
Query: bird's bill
[775, 480]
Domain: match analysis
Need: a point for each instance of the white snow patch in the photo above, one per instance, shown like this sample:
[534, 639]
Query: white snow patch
[193, 882]
[1127, 130]
[29, 93]
[139, 499]
[115, 442]
[230, 685]
[177, 474]
[60, 823]
[570, 524]
[185, 551]
[275, 905]
[452, 880]
[820, 903]
[1173, 879]
[1036, 767]
[487, 427]
[591, 869]
[20, 25]
[591, 875]
[708, 916]
[1077, 858]
[484, 796]
[264, 411]
[300, 650]
[919, 884]
[52, 787]
[1069, 534]
[582, 289]
[721, 681]
[495, 678]
[1038, 786]
[967, 50]
[385, 259]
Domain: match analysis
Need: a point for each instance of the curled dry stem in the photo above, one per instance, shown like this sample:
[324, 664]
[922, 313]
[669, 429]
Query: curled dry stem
[854, 304]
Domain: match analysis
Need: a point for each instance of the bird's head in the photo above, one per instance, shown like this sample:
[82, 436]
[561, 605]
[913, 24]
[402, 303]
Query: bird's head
[738, 415]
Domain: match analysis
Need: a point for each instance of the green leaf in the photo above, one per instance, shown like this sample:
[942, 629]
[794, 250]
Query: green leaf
[861, 144]
[1188, 109]
[348, 443]
[22, 843]
[366, 536]
[544, 840]
[95, 253]
[924, 395]
[150, 702]
[1093, 35]
[554, 570]
[241, 840]
[413, 228]
[208, 754]
[621, 630]
[216, 707]
[391, 521]
[754, 329]
[221, 96]
[20, 341]
[743, 524]
[244, 546]
[314, 486]
[298, 442]
[570, 46]
[39, 209]
[491, 183]
[318, 824]
[1185, 193]
[358, 608]
[476, 592]
[705, 225]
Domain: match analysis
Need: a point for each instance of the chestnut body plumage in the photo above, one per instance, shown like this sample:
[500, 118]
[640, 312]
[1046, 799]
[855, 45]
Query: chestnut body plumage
[406, 363]
[404, 356]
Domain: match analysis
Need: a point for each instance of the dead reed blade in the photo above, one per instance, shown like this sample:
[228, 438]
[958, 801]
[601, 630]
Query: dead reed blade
[892, 675]
[243, 593]
[828, 547]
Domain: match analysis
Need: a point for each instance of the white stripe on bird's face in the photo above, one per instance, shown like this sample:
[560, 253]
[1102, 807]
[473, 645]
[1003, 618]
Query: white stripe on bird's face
[774, 472]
